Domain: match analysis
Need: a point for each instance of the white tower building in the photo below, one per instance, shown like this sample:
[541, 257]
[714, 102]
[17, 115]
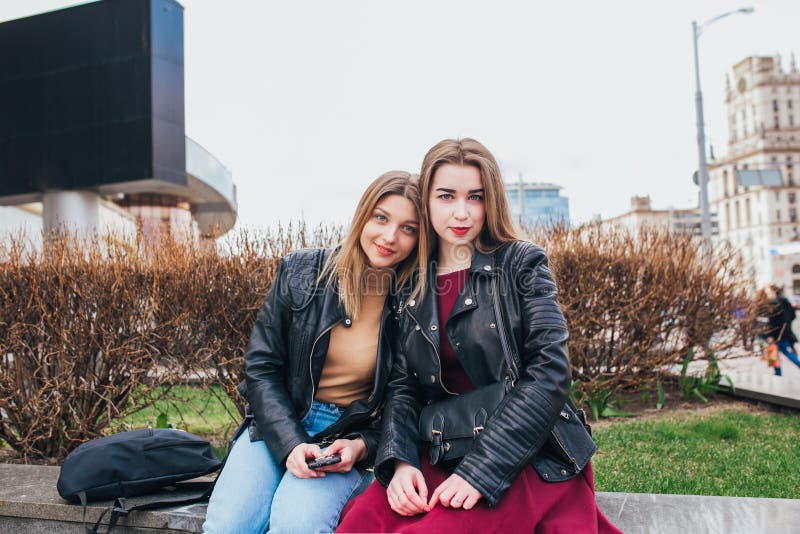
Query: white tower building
[754, 189]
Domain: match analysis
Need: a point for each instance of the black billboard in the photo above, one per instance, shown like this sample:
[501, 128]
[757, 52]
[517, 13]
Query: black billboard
[92, 97]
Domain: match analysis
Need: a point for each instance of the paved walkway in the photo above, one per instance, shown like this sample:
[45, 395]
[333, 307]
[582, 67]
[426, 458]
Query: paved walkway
[752, 379]
[755, 366]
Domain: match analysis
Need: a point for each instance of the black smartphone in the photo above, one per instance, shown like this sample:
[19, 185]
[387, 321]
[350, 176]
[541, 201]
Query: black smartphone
[322, 461]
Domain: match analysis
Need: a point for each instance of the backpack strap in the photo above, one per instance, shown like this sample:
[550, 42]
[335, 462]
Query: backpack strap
[119, 509]
[82, 497]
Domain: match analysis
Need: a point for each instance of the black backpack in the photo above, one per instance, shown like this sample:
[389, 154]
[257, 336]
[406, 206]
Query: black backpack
[135, 463]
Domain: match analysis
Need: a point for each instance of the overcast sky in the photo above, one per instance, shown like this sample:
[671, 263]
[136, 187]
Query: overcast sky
[307, 102]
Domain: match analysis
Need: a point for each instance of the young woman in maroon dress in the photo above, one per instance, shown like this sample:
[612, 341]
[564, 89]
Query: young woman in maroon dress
[528, 469]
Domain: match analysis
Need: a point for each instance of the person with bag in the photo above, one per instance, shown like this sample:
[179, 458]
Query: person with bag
[771, 355]
[316, 366]
[781, 315]
[478, 434]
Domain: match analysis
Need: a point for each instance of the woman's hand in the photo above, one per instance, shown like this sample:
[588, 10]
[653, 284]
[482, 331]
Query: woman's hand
[455, 492]
[350, 451]
[296, 461]
[407, 492]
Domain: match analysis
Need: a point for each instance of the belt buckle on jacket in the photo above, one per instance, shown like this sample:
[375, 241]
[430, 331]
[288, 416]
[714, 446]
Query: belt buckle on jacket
[328, 440]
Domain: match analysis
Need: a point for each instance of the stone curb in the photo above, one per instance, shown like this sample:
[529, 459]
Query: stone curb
[29, 504]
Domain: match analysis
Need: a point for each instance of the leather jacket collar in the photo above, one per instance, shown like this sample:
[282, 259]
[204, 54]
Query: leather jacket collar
[425, 311]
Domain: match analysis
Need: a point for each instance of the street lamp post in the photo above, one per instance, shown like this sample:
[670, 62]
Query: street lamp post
[705, 216]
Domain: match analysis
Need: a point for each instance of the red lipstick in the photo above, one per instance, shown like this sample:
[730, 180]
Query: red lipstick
[459, 230]
[383, 251]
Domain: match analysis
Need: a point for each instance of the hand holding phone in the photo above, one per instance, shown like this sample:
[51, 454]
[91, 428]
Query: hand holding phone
[322, 461]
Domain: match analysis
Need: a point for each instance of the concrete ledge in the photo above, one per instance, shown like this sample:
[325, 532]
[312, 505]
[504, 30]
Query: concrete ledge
[29, 504]
[645, 513]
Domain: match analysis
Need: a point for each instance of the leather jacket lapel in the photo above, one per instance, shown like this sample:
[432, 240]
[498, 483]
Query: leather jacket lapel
[425, 312]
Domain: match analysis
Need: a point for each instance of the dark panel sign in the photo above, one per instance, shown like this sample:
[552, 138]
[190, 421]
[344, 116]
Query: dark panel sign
[92, 96]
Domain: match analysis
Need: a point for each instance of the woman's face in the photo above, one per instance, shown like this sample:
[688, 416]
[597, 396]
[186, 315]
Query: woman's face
[456, 205]
[391, 232]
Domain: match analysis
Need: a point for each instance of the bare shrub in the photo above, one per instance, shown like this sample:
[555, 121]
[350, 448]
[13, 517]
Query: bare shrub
[636, 303]
[76, 326]
[89, 329]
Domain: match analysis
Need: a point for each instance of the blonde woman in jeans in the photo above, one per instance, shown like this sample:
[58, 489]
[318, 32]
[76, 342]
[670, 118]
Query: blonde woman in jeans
[316, 366]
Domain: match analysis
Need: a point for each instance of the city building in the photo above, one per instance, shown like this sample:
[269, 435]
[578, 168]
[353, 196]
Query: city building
[754, 188]
[27, 221]
[642, 215]
[92, 135]
[534, 203]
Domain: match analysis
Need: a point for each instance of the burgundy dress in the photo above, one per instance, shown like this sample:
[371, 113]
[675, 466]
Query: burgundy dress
[529, 505]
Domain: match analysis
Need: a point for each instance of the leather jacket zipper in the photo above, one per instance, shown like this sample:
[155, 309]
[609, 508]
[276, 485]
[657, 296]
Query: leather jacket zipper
[310, 366]
[513, 372]
[377, 363]
[377, 360]
[435, 351]
[564, 449]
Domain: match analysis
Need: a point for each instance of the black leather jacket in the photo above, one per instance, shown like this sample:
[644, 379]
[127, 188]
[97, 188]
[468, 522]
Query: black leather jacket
[286, 354]
[535, 424]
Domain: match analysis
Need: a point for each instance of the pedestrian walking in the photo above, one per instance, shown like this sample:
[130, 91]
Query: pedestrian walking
[781, 315]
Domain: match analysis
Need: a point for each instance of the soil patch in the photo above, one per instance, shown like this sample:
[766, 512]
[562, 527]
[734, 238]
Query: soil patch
[8, 456]
[644, 407]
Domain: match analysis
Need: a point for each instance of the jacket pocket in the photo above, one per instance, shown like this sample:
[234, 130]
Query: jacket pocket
[568, 449]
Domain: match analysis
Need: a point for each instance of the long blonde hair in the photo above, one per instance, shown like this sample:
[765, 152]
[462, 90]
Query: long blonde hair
[348, 265]
[499, 227]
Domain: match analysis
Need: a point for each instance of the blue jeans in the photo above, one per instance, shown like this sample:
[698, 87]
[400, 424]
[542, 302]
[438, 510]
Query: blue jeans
[786, 348]
[254, 494]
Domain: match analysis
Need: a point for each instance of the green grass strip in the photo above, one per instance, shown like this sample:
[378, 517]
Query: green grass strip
[207, 412]
[725, 453]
